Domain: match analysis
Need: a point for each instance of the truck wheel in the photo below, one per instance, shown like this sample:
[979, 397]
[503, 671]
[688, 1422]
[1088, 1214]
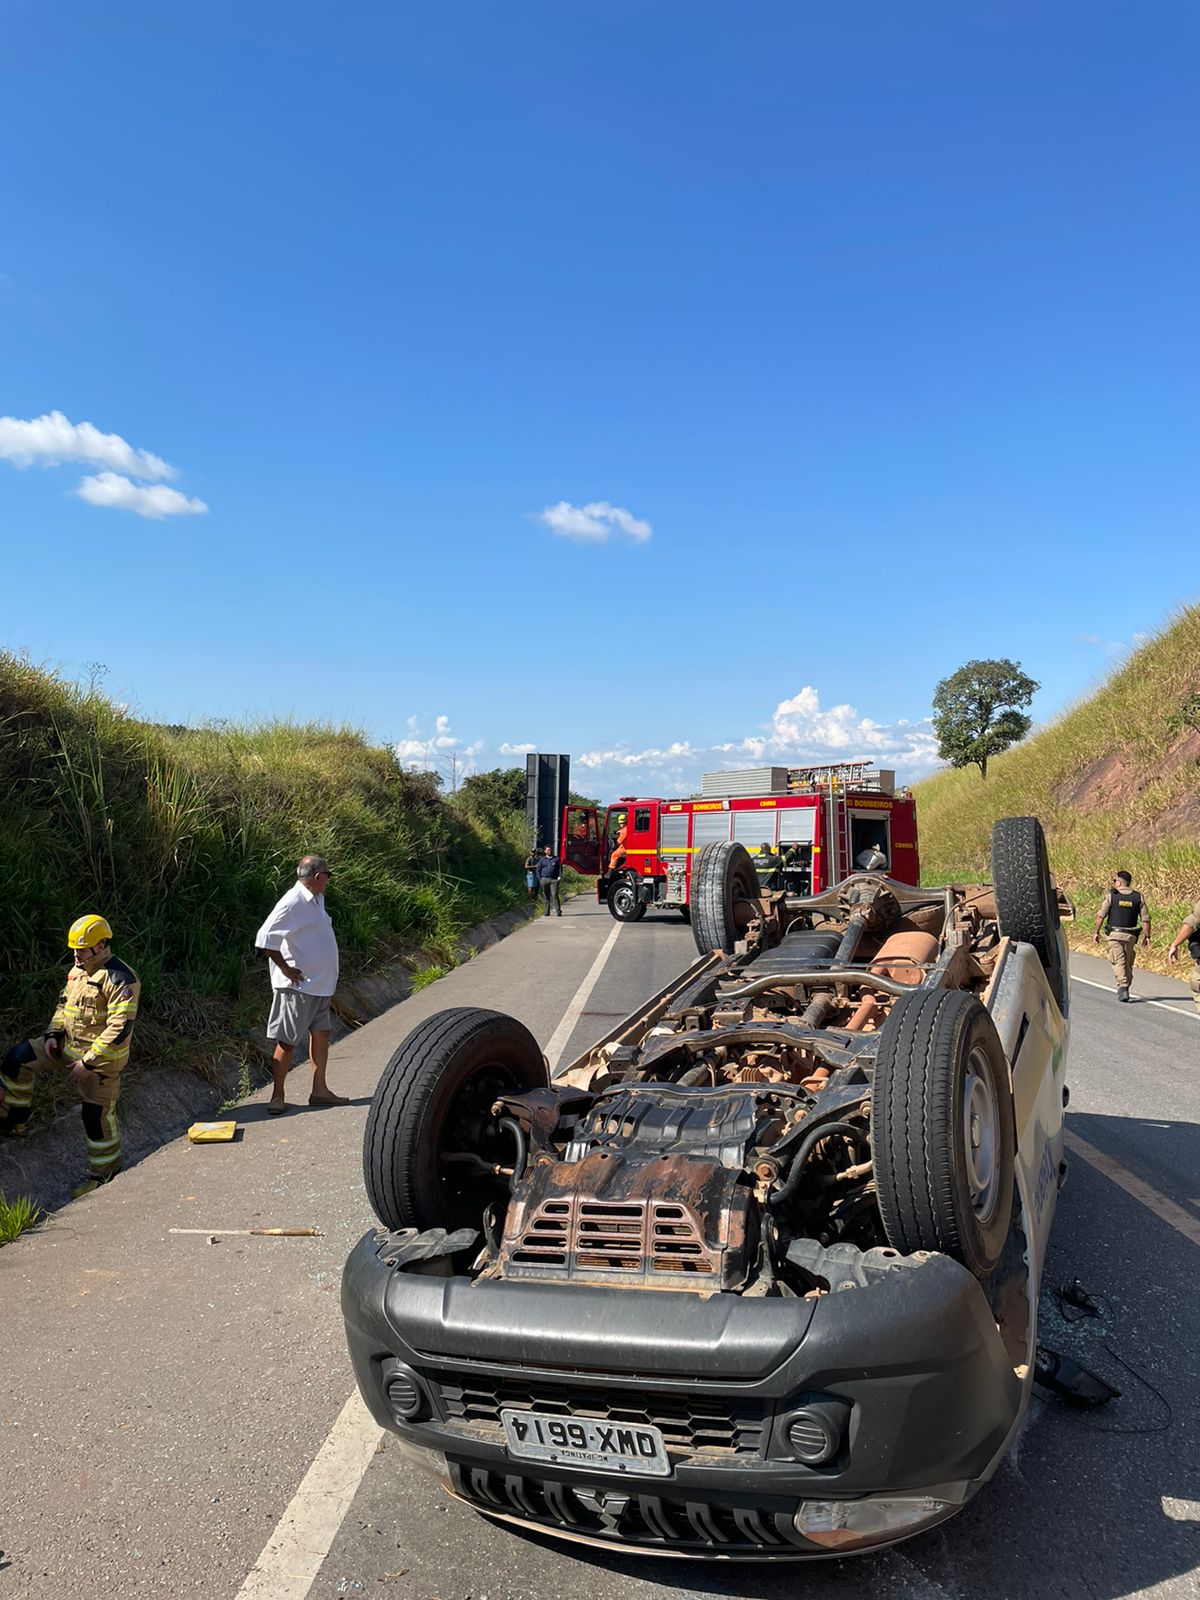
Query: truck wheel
[685, 912]
[1026, 904]
[623, 901]
[725, 896]
[942, 1134]
[433, 1102]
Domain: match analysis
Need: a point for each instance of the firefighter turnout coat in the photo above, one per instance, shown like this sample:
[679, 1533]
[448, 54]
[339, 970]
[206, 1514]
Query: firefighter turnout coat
[94, 1019]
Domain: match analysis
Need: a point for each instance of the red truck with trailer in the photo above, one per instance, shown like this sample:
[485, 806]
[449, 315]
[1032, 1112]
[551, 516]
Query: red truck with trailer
[806, 829]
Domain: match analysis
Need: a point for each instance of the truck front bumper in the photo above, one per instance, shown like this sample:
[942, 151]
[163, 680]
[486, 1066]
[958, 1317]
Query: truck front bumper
[907, 1375]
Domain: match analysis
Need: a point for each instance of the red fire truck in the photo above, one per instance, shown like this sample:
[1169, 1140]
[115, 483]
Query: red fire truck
[813, 827]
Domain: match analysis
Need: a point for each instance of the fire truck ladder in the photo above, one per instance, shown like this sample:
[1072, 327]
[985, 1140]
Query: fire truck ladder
[834, 775]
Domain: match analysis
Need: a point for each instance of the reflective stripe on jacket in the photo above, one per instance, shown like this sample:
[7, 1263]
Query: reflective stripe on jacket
[96, 1011]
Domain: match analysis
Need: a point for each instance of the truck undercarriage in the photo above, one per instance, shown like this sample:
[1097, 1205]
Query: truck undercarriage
[757, 1274]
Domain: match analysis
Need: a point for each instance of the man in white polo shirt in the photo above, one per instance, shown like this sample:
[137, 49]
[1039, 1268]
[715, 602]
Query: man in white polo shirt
[301, 946]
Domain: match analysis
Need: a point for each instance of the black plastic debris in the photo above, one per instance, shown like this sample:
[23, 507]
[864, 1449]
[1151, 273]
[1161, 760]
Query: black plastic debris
[1071, 1382]
[406, 1244]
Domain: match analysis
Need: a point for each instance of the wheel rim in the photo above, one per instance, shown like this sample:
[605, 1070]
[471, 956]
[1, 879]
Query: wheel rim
[623, 901]
[981, 1137]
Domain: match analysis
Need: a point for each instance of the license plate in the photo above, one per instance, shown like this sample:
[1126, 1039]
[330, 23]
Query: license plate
[582, 1442]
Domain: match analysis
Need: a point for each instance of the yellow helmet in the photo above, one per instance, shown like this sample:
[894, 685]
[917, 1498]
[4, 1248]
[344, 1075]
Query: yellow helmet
[87, 931]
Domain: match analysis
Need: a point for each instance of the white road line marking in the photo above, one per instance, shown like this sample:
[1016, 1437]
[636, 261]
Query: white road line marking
[1163, 1005]
[561, 1034]
[306, 1530]
[1175, 1216]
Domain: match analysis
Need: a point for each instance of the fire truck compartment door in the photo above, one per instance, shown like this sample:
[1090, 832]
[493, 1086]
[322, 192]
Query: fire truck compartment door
[867, 829]
[581, 839]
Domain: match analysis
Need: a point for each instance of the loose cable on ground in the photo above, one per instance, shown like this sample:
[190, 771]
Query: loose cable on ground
[1075, 1304]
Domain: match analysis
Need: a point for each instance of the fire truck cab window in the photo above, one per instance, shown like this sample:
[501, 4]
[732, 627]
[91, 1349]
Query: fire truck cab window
[753, 828]
[709, 827]
[581, 823]
[641, 819]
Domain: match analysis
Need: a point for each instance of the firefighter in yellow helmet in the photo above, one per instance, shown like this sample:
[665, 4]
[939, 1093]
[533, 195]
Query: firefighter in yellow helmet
[90, 1033]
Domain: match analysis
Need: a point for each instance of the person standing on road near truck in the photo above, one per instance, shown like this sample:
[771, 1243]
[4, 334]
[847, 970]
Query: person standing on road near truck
[90, 1032]
[1190, 933]
[1123, 912]
[549, 871]
[301, 946]
[531, 862]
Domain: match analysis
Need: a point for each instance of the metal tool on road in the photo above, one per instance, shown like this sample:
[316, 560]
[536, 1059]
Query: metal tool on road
[261, 1233]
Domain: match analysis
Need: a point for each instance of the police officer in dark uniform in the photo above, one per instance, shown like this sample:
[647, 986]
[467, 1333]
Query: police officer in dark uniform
[1122, 913]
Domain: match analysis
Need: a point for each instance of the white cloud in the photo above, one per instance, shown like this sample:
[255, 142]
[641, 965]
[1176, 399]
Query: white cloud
[1111, 648]
[799, 727]
[147, 499]
[622, 756]
[52, 440]
[437, 751]
[799, 732]
[594, 523]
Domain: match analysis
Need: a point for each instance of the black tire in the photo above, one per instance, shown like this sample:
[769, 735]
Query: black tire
[434, 1096]
[1026, 904]
[940, 1071]
[685, 912]
[725, 894]
[623, 900]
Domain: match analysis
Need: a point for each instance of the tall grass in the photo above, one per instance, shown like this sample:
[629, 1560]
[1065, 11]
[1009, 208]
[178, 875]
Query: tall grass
[1101, 777]
[184, 840]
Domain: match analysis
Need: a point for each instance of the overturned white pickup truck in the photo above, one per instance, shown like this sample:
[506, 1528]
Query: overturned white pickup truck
[758, 1275]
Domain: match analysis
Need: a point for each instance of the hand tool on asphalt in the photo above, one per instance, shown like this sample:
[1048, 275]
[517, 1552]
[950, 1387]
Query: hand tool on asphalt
[262, 1233]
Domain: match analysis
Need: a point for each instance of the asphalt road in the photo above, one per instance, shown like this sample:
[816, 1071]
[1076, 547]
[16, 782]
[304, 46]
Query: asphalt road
[165, 1397]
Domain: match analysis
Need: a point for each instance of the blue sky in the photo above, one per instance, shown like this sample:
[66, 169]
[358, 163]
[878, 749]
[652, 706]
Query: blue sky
[871, 334]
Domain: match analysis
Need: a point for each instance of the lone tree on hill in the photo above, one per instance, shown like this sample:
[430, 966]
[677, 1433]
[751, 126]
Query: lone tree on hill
[976, 711]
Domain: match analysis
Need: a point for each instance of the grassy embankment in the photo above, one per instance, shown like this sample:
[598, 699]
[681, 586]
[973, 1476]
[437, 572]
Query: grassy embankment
[1116, 782]
[184, 840]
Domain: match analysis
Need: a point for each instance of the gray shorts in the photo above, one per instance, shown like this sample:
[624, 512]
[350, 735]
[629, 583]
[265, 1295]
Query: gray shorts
[294, 1015]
